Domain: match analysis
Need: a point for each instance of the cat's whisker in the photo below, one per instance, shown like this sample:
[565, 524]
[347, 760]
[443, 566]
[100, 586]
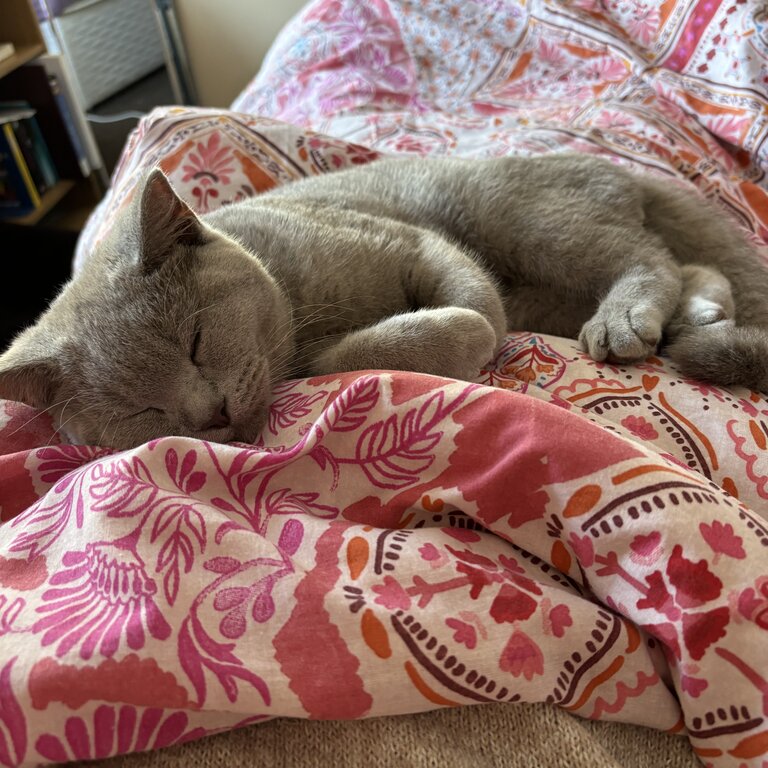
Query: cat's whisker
[293, 359]
[106, 426]
[295, 325]
[73, 416]
[197, 312]
[292, 324]
[40, 413]
[337, 303]
[317, 318]
[326, 339]
[277, 328]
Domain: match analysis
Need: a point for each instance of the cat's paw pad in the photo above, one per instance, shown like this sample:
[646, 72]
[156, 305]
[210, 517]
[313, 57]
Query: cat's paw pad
[706, 297]
[621, 334]
[701, 311]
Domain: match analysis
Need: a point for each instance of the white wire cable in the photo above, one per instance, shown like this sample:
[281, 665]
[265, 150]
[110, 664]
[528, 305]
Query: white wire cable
[115, 118]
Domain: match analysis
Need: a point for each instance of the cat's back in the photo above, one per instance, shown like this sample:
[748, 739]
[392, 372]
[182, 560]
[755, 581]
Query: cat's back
[454, 194]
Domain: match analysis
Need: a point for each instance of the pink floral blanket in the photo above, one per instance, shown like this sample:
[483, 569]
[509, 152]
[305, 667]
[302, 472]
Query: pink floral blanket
[587, 535]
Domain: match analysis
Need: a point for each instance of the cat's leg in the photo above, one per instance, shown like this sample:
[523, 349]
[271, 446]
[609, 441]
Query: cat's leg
[448, 341]
[630, 319]
[704, 339]
[458, 324]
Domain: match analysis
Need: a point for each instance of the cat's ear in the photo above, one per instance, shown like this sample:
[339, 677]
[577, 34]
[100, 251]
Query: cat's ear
[28, 375]
[166, 222]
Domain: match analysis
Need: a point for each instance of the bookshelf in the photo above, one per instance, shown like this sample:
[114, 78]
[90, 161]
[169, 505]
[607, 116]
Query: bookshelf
[22, 55]
[20, 28]
[79, 185]
[49, 200]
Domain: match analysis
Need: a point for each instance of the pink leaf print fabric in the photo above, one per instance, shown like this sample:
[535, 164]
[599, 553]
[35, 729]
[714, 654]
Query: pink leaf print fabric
[587, 535]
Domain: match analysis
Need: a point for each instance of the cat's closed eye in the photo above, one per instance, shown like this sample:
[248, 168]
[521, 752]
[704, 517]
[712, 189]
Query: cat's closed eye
[193, 352]
[158, 411]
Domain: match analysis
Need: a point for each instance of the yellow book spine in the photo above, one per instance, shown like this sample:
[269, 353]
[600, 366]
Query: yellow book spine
[21, 165]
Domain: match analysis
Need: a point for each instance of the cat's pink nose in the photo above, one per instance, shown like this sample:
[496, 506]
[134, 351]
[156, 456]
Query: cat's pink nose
[219, 417]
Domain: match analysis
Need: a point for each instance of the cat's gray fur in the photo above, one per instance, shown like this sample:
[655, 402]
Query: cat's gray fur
[179, 325]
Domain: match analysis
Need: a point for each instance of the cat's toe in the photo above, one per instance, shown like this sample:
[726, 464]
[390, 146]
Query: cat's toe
[475, 345]
[621, 335]
[594, 339]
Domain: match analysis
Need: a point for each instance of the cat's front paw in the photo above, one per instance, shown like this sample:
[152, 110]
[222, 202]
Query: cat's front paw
[472, 346]
[621, 334]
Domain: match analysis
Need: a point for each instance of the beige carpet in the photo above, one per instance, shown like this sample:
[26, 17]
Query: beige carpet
[503, 735]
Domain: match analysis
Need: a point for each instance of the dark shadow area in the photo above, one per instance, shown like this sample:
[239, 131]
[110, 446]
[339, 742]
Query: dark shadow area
[37, 262]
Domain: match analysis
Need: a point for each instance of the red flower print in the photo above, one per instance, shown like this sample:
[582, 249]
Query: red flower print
[583, 549]
[560, 619]
[693, 686]
[429, 552]
[210, 164]
[434, 556]
[694, 582]
[522, 656]
[23, 574]
[700, 630]
[639, 427]
[100, 599]
[111, 680]
[658, 597]
[729, 128]
[391, 595]
[114, 731]
[478, 578]
[753, 603]
[646, 550]
[464, 633]
[512, 605]
[722, 539]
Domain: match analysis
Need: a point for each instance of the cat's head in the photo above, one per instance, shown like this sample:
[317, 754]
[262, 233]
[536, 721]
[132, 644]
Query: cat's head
[172, 328]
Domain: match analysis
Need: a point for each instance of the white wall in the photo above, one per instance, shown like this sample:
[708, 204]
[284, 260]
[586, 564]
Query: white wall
[226, 41]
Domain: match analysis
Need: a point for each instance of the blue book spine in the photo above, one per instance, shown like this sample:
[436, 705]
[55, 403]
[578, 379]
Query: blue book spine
[43, 155]
[14, 196]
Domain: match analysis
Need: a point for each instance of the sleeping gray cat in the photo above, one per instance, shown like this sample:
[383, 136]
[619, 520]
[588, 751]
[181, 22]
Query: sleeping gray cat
[180, 325]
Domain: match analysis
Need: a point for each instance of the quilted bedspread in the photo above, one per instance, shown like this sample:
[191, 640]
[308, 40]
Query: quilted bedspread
[561, 530]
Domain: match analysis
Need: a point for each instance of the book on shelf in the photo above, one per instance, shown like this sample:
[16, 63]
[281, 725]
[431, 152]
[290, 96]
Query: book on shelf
[32, 83]
[21, 119]
[18, 194]
[47, 166]
[27, 171]
[6, 51]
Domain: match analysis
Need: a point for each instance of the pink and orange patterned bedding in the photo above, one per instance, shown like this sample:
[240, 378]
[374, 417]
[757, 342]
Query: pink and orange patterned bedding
[564, 531]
